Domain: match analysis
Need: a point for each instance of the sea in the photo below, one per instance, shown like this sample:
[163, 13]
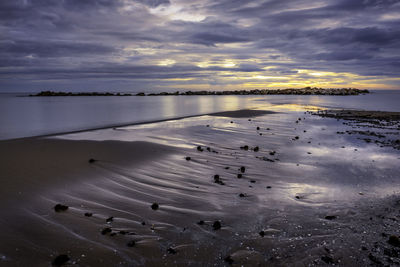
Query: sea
[23, 116]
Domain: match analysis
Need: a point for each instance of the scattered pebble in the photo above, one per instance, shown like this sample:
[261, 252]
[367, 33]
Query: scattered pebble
[242, 195]
[258, 128]
[154, 206]
[171, 250]
[201, 222]
[269, 187]
[199, 149]
[228, 259]
[394, 241]
[218, 180]
[92, 160]
[60, 260]
[106, 230]
[131, 243]
[262, 233]
[217, 225]
[188, 158]
[256, 149]
[110, 219]
[330, 217]
[88, 214]
[242, 169]
[239, 175]
[60, 207]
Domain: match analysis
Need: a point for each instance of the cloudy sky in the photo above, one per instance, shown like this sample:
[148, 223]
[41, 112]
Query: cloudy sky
[167, 45]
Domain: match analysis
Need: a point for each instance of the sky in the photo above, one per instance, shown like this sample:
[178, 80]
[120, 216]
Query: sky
[169, 45]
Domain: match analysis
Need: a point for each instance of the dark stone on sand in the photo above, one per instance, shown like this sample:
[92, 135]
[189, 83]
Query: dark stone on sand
[131, 243]
[92, 160]
[143, 223]
[122, 232]
[60, 260]
[88, 214]
[394, 241]
[60, 207]
[297, 197]
[208, 125]
[188, 158]
[242, 169]
[217, 225]
[296, 137]
[330, 217]
[262, 233]
[110, 219]
[258, 128]
[218, 180]
[272, 153]
[242, 195]
[256, 149]
[374, 259]
[154, 206]
[327, 259]
[252, 181]
[226, 168]
[239, 175]
[113, 234]
[269, 187]
[228, 259]
[231, 121]
[201, 222]
[171, 251]
[199, 149]
[106, 230]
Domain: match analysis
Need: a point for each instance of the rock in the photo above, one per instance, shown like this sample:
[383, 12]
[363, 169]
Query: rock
[60, 207]
[106, 231]
[242, 195]
[110, 219]
[231, 121]
[258, 128]
[143, 223]
[122, 232]
[88, 214]
[188, 158]
[262, 233]
[199, 149]
[327, 259]
[243, 169]
[226, 168]
[171, 250]
[218, 180]
[246, 147]
[252, 181]
[228, 259]
[297, 197]
[92, 160]
[394, 241]
[239, 175]
[201, 222]
[154, 206]
[269, 187]
[217, 225]
[140, 94]
[60, 260]
[272, 153]
[330, 217]
[131, 243]
[296, 137]
[256, 149]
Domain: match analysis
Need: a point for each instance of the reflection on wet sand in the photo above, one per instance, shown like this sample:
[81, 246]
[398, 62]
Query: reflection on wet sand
[306, 195]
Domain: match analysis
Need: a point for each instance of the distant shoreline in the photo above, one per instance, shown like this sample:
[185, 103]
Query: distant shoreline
[303, 91]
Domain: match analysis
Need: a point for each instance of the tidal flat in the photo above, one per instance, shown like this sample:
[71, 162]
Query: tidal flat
[266, 187]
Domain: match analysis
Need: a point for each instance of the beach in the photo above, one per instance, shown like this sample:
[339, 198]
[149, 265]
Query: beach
[265, 187]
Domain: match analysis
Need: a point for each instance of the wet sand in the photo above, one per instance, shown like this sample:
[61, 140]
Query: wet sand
[176, 193]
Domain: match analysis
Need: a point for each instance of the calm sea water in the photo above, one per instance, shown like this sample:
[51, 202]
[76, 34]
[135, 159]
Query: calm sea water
[22, 116]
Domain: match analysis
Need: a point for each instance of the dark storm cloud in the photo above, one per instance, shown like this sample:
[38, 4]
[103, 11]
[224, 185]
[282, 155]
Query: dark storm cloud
[168, 39]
